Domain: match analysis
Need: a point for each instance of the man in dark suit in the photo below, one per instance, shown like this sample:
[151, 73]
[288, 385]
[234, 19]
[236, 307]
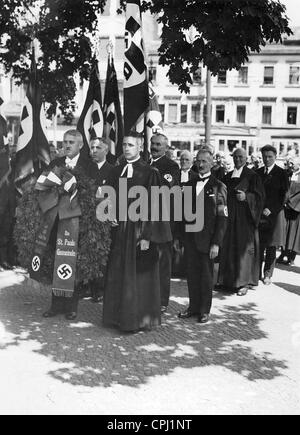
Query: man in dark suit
[99, 150]
[170, 176]
[186, 163]
[73, 142]
[202, 247]
[272, 229]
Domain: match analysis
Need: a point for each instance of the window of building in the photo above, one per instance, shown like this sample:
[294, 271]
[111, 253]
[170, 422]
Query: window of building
[243, 75]
[292, 115]
[222, 77]
[197, 76]
[172, 113]
[152, 74]
[162, 111]
[241, 114]
[221, 145]
[183, 113]
[294, 75]
[196, 113]
[267, 115]
[220, 113]
[269, 75]
[244, 144]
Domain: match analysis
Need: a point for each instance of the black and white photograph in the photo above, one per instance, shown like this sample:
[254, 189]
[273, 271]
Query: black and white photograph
[149, 210]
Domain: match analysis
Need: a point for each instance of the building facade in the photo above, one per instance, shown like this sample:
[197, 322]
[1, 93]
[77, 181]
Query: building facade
[256, 105]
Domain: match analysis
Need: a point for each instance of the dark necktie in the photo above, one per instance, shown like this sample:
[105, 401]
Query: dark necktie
[204, 178]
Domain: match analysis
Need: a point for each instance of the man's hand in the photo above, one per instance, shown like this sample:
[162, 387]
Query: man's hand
[267, 212]
[144, 244]
[176, 245]
[214, 252]
[240, 195]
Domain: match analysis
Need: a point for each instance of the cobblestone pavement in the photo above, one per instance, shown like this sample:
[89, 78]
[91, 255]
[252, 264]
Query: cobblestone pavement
[245, 361]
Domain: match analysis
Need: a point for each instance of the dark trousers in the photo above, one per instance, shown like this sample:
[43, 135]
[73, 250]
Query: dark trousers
[64, 305]
[165, 271]
[269, 252]
[200, 270]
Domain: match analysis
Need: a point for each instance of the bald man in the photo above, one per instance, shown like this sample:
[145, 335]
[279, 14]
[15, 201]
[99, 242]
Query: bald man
[186, 163]
[239, 261]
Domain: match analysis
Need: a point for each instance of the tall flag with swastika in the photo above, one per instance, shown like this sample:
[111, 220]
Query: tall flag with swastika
[154, 120]
[33, 151]
[136, 94]
[90, 123]
[113, 122]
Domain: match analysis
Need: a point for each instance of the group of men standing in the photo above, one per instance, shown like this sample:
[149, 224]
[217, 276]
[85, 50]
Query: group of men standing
[242, 224]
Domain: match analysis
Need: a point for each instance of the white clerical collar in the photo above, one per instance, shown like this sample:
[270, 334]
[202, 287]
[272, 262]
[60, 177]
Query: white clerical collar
[237, 172]
[71, 163]
[128, 169]
[207, 175]
[100, 164]
[270, 168]
[133, 161]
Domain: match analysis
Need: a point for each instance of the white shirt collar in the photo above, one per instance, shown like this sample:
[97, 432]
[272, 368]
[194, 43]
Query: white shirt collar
[156, 160]
[237, 172]
[270, 168]
[100, 164]
[208, 174]
[71, 163]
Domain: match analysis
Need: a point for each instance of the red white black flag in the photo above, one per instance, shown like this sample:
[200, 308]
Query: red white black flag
[154, 120]
[136, 94]
[90, 123]
[33, 152]
[113, 122]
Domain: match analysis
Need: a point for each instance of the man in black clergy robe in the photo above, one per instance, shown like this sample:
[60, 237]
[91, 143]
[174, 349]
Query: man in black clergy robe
[239, 260]
[73, 142]
[132, 290]
[272, 228]
[202, 247]
[170, 176]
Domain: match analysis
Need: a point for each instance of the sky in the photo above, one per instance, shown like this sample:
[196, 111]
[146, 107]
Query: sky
[293, 11]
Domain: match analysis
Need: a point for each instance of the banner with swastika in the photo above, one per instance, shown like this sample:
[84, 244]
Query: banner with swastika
[136, 95]
[65, 258]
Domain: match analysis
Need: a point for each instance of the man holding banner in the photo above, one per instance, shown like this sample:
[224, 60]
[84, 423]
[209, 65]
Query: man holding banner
[65, 300]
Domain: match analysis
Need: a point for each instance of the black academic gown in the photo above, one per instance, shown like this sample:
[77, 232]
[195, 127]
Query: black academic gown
[132, 291]
[239, 260]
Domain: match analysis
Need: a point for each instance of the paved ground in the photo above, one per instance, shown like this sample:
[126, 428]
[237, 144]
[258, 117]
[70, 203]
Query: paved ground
[245, 361]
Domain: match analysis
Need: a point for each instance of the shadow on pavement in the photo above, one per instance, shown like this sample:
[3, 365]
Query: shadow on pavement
[287, 268]
[93, 356]
[289, 287]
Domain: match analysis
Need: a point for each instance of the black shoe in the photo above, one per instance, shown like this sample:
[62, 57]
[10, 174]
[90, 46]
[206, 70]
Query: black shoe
[204, 318]
[71, 316]
[185, 314]
[242, 291]
[48, 314]
[97, 300]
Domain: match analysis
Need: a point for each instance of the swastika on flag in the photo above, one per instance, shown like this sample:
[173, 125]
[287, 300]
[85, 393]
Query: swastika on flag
[36, 263]
[64, 272]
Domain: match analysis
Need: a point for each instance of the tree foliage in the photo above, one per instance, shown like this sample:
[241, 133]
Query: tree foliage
[218, 33]
[64, 29]
[223, 34]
